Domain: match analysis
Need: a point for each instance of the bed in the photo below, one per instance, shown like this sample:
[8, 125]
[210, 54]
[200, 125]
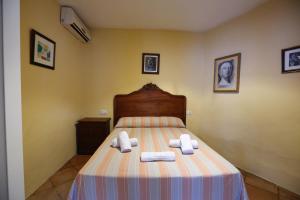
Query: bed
[154, 116]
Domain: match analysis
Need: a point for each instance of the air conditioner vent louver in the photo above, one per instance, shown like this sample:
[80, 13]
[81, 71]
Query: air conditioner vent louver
[80, 32]
[72, 22]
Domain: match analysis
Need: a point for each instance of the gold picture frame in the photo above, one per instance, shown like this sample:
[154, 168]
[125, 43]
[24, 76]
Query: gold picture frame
[227, 73]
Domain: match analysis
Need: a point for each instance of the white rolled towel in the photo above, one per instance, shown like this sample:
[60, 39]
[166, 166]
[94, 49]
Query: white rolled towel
[124, 142]
[186, 144]
[157, 156]
[176, 143]
[133, 142]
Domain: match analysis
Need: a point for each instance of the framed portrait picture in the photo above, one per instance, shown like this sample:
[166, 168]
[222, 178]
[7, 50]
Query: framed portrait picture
[227, 73]
[42, 50]
[290, 59]
[150, 63]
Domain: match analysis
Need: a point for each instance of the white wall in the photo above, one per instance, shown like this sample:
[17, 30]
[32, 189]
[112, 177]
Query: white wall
[12, 92]
[3, 163]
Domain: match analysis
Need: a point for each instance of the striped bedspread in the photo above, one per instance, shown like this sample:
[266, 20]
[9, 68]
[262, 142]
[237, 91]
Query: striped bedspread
[111, 175]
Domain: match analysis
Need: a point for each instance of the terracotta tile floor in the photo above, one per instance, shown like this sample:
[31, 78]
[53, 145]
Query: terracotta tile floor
[58, 186]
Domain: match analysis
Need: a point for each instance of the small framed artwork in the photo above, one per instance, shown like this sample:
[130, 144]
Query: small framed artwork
[290, 59]
[42, 50]
[150, 63]
[227, 73]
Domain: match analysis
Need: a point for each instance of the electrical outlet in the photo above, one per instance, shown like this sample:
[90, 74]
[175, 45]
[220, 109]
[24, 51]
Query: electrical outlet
[188, 112]
[103, 112]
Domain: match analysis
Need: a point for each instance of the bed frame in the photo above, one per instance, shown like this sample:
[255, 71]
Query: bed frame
[150, 100]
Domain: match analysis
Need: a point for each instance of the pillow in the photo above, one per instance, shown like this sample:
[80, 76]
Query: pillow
[134, 122]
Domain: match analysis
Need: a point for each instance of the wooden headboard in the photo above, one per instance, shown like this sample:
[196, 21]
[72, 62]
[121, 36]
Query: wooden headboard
[150, 100]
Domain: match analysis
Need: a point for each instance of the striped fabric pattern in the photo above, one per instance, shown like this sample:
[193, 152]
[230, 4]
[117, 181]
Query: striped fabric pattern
[111, 175]
[135, 122]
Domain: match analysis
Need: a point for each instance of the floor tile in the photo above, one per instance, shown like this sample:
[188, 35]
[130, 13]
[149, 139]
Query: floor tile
[79, 166]
[79, 159]
[63, 190]
[46, 186]
[49, 194]
[67, 165]
[63, 176]
[287, 195]
[261, 183]
[255, 193]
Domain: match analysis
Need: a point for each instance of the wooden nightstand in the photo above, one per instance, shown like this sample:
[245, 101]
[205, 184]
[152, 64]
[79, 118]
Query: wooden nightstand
[90, 133]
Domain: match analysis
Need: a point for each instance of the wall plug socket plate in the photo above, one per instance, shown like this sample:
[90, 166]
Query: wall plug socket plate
[103, 112]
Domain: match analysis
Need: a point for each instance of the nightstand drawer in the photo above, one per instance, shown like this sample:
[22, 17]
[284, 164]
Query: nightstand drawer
[90, 133]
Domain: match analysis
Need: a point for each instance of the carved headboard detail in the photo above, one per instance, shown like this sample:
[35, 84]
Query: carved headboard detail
[150, 100]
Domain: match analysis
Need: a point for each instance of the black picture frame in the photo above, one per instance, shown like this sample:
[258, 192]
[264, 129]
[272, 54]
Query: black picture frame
[39, 59]
[287, 64]
[231, 83]
[150, 63]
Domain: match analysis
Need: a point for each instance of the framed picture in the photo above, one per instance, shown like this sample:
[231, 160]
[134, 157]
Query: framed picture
[290, 59]
[227, 73]
[42, 50]
[150, 63]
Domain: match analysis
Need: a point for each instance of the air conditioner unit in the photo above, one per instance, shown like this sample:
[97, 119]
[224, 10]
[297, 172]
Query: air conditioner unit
[71, 21]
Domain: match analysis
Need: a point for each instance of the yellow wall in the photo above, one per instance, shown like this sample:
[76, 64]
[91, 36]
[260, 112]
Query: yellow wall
[259, 128]
[51, 99]
[115, 66]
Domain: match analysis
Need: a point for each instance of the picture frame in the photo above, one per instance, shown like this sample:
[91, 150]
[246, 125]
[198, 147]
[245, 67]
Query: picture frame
[42, 50]
[150, 63]
[290, 59]
[227, 73]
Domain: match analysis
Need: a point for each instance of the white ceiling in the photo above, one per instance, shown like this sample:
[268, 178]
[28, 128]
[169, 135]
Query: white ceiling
[184, 15]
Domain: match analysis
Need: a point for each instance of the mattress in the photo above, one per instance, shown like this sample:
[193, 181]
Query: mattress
[112, 175]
